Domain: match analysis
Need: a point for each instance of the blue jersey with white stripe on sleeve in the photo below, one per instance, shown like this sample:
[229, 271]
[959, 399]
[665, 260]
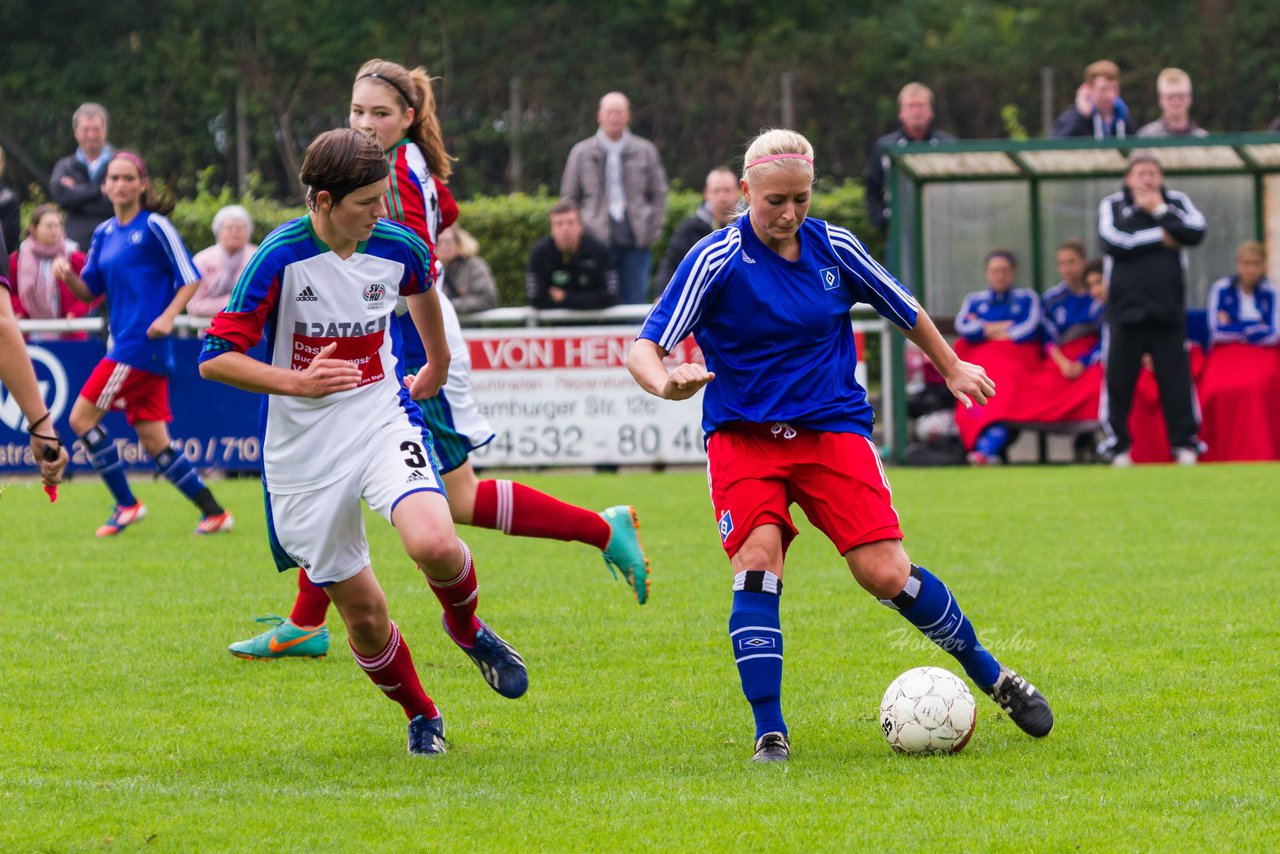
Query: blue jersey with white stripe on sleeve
[1020, 305]
[1069, 315]
[1241, 316]
[777, 333]
[139, 265]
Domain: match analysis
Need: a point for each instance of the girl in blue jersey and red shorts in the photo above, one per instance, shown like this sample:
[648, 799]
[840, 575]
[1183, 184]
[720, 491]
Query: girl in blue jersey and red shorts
[138, 259]
[768, 298]
[397, 106]
[340, 426]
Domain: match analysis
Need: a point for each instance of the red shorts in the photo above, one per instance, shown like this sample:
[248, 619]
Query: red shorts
[142, 395]
[836, 478]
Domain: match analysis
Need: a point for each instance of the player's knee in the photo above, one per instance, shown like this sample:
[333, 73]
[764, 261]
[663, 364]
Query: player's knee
[881, 570]
[758, 556]
[438, 551]
[367, 622]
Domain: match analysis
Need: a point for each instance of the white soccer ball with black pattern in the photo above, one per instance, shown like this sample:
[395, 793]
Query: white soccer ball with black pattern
[928, 710]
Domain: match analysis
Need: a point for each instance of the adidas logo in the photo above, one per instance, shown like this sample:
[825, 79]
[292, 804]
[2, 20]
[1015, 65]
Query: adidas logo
[307, 295]
[748, 258]
[417, 475]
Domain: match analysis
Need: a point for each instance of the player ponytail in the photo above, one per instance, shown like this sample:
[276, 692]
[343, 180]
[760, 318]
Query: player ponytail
[340, 162]
[155, 199]
[414, 89]
[776, 148]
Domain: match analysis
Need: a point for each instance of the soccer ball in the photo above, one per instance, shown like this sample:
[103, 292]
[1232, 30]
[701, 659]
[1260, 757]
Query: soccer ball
[928, 710]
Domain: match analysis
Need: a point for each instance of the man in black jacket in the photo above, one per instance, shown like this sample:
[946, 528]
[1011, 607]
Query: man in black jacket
[720, 196]
[76, 185]
[915, 124]
[570, 269]
[1144, 229]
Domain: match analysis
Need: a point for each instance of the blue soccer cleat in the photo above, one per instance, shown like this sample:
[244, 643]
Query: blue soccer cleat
[500, 665]
[624, 553]
[426, 737]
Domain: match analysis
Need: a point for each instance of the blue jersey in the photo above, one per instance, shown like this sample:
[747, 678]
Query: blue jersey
[1020, 305]
[1069, 315]
[139, 266]
[1237, 316]
[776, 332]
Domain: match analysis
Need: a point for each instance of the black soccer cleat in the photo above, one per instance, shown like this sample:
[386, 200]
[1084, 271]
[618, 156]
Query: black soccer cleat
[426, 737]
[772, 747]
[1024, 705]
[499, 663]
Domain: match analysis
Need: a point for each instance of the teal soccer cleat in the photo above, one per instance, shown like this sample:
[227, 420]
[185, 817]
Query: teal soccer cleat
[283, 640]
[624, 553]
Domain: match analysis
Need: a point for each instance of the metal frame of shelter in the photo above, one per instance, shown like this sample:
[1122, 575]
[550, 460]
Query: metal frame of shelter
[1035, 163]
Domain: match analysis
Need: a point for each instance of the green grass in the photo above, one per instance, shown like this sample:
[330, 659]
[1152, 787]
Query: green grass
[1140, 601]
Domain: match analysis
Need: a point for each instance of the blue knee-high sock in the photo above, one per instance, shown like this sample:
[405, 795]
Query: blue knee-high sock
[106, 461]
[929, 606]
[993, 440]
[179, 471]
[756, 633]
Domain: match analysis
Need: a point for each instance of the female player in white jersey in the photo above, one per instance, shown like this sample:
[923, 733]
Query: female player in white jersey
[339, 424]
[138, 259]
[767, 299]
[397, 106]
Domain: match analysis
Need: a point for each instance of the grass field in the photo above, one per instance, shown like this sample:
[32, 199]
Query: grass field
[1140, 601]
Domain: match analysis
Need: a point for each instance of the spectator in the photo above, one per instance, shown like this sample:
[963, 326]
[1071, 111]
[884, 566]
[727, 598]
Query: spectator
[617, 181]
[10, 209]
[915, 124]
[1001, 315]
[719, 201]
[468, 281]
[76, 185]
[37, 293]
[221, 264]
[1095, 278]
[1098, 110]
[570, 269]
[1238, 387]
[1173, 88]
[1072, 313]
[1144, 228]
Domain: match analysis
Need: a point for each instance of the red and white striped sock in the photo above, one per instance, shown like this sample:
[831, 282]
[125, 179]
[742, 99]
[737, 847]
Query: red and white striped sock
[522, 511]
[392, 670]
[458, 596]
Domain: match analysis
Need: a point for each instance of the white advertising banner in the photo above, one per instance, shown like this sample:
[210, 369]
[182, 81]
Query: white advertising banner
[563, 396]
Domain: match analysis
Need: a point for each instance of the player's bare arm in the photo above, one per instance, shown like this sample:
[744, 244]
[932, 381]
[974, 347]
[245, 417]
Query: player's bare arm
[324, 376]
[63, 272]
[967, 381]
[645, 364]
[424, 308]
[163, 325]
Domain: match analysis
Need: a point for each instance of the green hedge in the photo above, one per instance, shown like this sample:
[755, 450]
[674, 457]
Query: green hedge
[508, 226]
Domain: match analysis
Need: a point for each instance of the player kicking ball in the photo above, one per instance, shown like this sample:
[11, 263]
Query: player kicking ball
[339, 426]
[767, 298]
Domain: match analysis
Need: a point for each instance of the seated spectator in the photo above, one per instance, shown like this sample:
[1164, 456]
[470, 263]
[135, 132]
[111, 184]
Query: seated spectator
[1173, 90]
[1072, 315]
[37, 292]
[1000, 329]
[1095, 278]
[570, 269]
[1238, 400]
[915, 124]
[720, 196]
[1098, 110]
[221, 264]
[10, 209]
[468, 281]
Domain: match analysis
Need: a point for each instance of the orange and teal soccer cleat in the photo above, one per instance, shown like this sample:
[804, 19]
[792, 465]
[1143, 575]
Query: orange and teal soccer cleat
[624, 553]
[215, 523]
[121, 517]
[426, 737]
[283, 640]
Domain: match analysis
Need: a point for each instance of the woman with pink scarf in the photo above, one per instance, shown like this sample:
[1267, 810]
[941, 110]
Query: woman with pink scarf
[220, 265]
[37, 293]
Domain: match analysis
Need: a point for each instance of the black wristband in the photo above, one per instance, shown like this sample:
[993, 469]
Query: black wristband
[31, 428]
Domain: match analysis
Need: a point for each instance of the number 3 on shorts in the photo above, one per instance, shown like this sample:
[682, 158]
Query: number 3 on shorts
[415, 458]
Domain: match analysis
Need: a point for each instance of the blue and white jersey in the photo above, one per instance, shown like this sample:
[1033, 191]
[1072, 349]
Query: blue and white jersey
[776, 333]
[304, 297]
[1021, 305]
[139, 265]
[1069, 315]
[1238, 316]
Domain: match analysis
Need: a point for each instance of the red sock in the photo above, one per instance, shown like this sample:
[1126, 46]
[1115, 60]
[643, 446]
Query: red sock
[516, 509]
[312, 604]
[392, 670]
[459, 600]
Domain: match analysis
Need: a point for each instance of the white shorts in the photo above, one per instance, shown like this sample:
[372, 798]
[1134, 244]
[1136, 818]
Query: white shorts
[322, 531]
